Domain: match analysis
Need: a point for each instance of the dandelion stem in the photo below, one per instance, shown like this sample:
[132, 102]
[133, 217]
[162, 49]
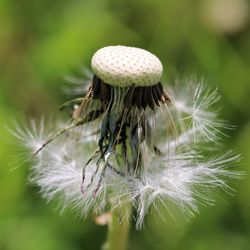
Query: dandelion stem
[118, 228]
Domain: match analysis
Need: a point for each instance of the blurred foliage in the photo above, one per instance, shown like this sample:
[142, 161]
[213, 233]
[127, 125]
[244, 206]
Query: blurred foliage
[42, 41]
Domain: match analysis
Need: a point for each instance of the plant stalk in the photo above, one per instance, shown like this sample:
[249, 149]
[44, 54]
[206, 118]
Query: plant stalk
[118, 229]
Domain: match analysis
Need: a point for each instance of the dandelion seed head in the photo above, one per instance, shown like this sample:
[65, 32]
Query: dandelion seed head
[134, 145]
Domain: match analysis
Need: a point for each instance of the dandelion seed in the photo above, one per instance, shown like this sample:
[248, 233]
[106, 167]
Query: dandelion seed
[131, 142]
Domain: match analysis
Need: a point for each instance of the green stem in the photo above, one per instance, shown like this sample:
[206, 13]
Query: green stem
[118, 229]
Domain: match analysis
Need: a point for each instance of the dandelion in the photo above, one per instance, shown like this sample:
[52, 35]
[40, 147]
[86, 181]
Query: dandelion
[131, 144]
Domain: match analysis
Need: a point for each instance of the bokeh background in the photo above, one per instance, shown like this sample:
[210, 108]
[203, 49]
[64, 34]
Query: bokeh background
[42, 41]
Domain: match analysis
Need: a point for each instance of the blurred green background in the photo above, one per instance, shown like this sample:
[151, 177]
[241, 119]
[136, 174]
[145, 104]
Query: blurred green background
[42, 41]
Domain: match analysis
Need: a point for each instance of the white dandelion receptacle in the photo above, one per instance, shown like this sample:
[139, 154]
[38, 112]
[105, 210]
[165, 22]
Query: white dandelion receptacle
[124, 66]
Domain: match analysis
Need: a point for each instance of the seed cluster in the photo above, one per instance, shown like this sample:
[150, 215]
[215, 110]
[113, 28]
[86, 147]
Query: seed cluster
[140, 97]
[121, 148]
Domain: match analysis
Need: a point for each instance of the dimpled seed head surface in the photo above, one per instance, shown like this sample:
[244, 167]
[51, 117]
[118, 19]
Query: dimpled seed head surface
[124, 66]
